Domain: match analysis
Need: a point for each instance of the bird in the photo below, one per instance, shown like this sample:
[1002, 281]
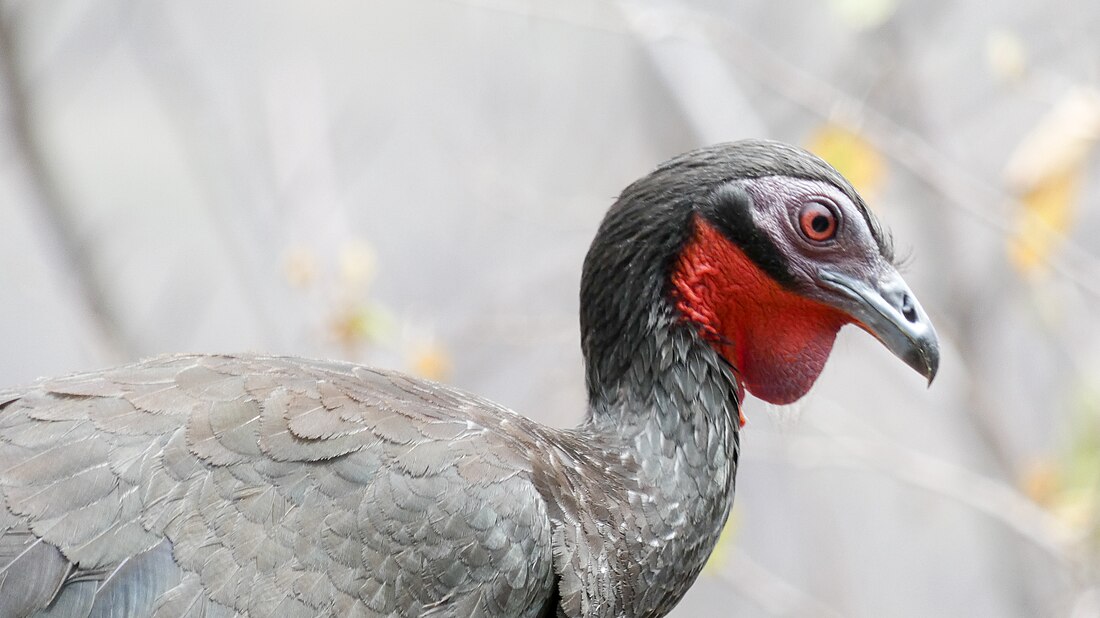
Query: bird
[253, 485]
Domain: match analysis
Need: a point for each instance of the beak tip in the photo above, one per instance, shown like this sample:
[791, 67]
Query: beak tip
[931, 357]
[924, 358]
[889, 311]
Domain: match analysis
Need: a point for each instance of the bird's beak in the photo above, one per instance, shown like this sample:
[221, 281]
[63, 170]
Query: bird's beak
[888, 310]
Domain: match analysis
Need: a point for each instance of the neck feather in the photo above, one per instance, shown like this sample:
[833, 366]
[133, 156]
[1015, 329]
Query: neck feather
[671, 423]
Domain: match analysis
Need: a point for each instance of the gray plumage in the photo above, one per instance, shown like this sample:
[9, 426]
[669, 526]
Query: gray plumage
[204, 485]
[266, 486]
[256, 486]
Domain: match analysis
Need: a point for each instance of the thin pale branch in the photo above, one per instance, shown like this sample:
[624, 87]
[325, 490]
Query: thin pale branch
[59, 228]
[773, 594]
[964, 191]
[992, 498]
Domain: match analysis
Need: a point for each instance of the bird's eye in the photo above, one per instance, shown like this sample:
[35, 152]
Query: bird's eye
[817, 221]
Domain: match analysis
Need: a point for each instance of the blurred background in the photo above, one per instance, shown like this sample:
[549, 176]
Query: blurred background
[414, 184]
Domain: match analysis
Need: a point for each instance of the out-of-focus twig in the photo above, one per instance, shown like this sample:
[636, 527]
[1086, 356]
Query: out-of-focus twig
[987, 496]
[965, 192]
[236, 187]
[59, 231]
[773, 594]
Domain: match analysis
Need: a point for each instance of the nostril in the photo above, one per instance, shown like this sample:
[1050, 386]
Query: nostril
[908, 309]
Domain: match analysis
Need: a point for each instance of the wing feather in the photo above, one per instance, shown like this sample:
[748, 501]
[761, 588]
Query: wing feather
[245, 485]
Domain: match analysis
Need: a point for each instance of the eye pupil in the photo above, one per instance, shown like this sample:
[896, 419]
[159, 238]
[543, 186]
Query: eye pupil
[818, 221]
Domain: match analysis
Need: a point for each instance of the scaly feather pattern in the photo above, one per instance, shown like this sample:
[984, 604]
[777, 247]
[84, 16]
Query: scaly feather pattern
[267, 486]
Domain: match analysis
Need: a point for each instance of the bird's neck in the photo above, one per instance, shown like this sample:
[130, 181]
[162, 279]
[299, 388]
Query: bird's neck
[673, 423]
[678, 385]
[677, 411]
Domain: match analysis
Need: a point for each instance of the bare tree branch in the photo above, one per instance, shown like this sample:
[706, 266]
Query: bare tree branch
[770, 592]
[59, 230]
[982, 494]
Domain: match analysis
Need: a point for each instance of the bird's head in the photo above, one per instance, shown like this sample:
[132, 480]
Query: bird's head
[764, 250]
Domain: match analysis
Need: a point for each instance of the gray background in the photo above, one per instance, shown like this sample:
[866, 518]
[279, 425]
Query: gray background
[170, 173]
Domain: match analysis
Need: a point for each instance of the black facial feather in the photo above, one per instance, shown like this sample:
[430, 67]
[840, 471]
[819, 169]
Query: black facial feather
[646, 229]
[729, 209]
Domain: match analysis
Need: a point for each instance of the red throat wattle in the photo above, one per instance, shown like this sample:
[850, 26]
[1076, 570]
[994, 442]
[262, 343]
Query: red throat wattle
[777, 340]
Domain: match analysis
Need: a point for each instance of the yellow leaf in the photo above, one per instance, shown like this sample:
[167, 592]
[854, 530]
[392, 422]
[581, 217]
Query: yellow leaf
[356, 264]
[1061, 140]
[300, 267]
[1006, 54]
[864, 14]
[852, 156]
[1041, 481]
[1045, 217]
[352, 325]
[431, 361]
[1077, 509]
[1045, 170]
[1069, 487]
